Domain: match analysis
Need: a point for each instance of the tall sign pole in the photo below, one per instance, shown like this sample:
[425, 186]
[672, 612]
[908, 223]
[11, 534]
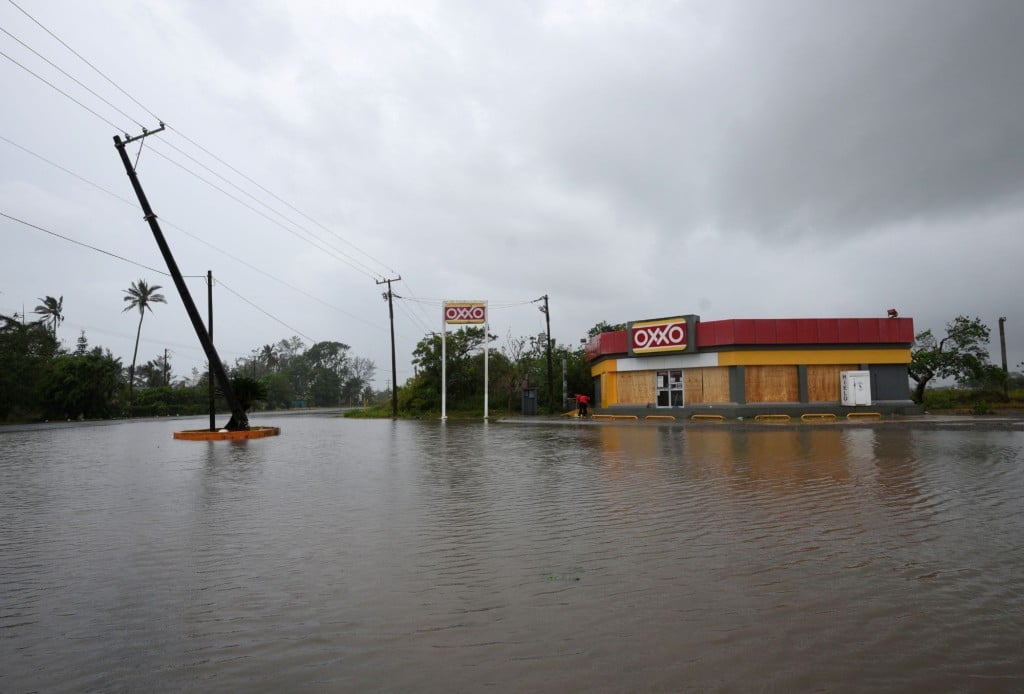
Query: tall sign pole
[239, 420]
[487, 341]
[444, 364]
[462, 313]
[394, 376]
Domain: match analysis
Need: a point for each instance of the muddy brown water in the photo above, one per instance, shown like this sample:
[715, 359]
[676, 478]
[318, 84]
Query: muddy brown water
[420, 556]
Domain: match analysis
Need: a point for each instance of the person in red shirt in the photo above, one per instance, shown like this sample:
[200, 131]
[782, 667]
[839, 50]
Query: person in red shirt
[582, 403]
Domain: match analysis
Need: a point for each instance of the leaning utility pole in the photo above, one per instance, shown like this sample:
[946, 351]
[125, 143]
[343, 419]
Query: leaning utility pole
[239, 420]
[391, 315]
[1002, 348]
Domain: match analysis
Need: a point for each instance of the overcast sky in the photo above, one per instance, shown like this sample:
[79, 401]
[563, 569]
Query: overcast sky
[630, 160]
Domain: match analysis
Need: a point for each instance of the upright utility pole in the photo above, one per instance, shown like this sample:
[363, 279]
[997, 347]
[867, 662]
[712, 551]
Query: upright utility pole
[239, 420]
[209, 364]
[391, 316]
[547, 320]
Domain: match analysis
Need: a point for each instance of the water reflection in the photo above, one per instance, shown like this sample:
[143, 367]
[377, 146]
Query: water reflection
[349, 555]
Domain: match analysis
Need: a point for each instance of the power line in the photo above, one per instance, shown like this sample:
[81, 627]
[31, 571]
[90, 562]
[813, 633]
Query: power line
[79, 56]
[220, 283]
[290, 206]
[62, 92]
[354, 264]
[84, 245]
[280, 199]
[351, 262]
[265, 216]
[192, 236]
[69, 76]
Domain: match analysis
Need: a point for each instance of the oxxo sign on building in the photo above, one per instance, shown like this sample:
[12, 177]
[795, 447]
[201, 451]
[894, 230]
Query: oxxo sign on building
[465, 312]
[662, 335]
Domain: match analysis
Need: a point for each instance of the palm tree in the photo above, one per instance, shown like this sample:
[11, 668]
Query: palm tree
[140, 295]
[269, 356]
[52, 312]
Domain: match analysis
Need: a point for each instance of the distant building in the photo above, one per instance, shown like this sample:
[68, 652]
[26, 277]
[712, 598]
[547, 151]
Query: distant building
[752, 366]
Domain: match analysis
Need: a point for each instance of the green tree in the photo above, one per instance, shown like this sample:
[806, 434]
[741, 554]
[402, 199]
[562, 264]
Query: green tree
[961, 354]
[464, 371]
[82, 345]
[268, 355]
[248, 391]
[605, 327]
[360, 372]
[140, 296]
[154, 373]
[279, 391]
[52, 311]
[83, 386]
[26, 351]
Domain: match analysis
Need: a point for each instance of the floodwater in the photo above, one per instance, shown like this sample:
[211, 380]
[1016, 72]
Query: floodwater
[351, 555]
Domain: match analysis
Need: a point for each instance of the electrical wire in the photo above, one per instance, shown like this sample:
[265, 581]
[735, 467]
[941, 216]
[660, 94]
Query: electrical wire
[79, 243]
[352, 262]
[205, 150]
[69, 76]
[62, 92]
[220, 283]
[80, 57]
[194, 237]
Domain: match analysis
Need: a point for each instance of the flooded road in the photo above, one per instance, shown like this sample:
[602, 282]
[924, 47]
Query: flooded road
[351, 555]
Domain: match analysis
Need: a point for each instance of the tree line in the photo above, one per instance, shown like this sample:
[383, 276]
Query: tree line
[40, 379]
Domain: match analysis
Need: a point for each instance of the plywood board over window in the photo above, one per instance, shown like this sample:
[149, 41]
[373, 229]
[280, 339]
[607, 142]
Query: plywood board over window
[716, 383]
[635, 387]
[693, 386]
[823, 381]
[772, 384]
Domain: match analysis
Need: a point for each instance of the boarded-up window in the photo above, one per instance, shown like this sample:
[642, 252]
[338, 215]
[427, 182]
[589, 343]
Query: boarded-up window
[693, 386]
[823, 381]
[716, 384]
[772, 384]
[635, 387]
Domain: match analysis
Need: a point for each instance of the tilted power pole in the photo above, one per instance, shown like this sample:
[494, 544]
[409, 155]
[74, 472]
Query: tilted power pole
[239, 420]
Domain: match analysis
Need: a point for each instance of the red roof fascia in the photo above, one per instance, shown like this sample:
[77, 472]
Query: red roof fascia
[804, 331]
[605, 345]
[776, 331]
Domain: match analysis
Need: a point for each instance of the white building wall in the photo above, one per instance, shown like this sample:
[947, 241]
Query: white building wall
[668, 361]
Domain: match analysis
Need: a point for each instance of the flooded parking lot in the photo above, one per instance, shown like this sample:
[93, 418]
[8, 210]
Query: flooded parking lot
[380, 555]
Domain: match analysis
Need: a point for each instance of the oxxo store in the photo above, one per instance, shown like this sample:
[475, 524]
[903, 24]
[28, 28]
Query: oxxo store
[753, 366]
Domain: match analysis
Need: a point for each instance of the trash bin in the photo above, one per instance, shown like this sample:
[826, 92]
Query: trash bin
[529, 401]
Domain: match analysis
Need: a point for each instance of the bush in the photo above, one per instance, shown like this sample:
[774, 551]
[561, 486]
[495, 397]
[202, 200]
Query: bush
[982, 408]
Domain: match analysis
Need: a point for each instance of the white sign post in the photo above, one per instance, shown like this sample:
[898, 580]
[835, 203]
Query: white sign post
[462, 313]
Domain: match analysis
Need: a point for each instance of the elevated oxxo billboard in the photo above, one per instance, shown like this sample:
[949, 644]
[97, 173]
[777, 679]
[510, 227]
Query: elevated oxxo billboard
[465, 312]
[461, 313]
[663, 336]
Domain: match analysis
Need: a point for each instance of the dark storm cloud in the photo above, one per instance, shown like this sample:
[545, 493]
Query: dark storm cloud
[799, 117]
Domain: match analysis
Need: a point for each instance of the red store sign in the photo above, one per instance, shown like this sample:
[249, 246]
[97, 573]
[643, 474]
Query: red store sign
[465, 312]
[664, 335]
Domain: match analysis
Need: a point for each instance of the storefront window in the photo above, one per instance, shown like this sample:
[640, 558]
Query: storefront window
[669, 388]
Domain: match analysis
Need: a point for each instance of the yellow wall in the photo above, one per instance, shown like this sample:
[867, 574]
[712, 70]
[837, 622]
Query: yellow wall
[781, 357]
[605, 371]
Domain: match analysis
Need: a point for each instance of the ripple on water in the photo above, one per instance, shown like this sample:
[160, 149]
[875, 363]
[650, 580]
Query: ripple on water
[415, 555]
